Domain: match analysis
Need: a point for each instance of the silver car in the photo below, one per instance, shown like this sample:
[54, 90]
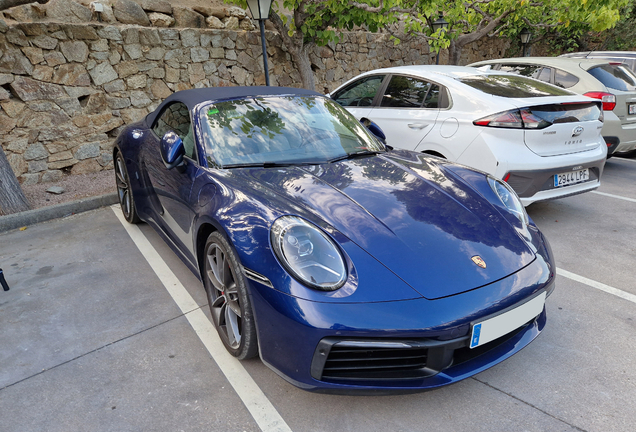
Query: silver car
[613, 83]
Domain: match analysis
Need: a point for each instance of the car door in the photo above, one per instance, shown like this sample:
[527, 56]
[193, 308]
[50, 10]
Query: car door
[359, 96]
[407, 111]
[172, 188]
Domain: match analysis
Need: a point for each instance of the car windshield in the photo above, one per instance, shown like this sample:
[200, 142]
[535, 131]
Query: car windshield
[513, 86]
[615, 77]
[282, 130]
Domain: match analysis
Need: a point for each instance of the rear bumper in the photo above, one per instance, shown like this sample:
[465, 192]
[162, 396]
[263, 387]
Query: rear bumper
[532, 175]
[537, 185]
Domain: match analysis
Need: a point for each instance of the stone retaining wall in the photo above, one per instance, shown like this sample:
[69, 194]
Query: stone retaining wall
[66, 90]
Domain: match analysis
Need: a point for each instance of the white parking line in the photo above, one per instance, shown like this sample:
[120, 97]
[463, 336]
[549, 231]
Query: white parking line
[262, 410]
[600, 286]
[615, 196]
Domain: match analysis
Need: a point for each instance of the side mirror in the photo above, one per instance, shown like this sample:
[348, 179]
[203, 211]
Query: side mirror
[172, 150]
[374, 129]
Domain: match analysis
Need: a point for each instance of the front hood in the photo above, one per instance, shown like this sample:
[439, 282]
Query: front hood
[412, 215]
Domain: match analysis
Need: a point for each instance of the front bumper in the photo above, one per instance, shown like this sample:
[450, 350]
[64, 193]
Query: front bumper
[292, 332]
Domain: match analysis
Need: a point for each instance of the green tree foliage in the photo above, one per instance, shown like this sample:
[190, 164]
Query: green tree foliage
[471, 20]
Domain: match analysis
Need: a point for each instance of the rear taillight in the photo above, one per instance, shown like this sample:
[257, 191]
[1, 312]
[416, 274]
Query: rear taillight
[608, 99]
[515, 119]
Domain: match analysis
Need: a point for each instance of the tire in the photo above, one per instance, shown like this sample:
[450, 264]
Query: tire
[229, 302]
[124, 191]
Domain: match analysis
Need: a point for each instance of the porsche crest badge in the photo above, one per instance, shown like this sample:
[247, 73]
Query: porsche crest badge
[479, 261]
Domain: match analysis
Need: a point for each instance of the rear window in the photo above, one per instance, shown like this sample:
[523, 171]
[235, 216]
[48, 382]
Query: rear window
[615, 77]
[568, 113]
[513, 86]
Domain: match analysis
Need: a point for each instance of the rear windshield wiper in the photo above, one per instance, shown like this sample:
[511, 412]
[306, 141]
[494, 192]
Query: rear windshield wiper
[355, 155]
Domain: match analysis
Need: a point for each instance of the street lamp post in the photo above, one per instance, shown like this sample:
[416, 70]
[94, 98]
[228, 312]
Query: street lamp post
[440, 23]
[260, 11]
[525, 38]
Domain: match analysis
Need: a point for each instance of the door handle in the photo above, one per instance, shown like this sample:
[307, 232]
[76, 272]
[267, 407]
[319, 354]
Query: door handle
[417, 125]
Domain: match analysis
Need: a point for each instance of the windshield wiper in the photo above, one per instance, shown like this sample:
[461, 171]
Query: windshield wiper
[267, 164]
[355, 155]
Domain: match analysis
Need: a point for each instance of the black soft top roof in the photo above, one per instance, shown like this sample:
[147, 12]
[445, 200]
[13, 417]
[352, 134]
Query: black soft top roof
[194, 97]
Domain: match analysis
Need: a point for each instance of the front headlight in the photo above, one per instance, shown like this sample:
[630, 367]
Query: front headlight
[509, 199]
[308, 253]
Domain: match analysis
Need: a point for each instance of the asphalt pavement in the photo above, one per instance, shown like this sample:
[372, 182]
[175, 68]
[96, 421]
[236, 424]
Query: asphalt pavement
[94, 338]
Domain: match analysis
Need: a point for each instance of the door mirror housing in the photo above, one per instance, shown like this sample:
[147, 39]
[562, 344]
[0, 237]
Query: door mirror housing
[374, 129]
[172, 150]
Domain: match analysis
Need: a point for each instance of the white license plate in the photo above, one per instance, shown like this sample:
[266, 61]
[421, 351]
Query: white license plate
[495, 327]
[631, 108]
[573, 177]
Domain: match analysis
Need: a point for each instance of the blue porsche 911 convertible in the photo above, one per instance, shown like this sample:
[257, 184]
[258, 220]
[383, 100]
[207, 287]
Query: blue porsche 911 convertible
[346, 265]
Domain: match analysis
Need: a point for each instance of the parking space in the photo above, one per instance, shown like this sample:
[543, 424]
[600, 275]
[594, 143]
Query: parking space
[91, 339]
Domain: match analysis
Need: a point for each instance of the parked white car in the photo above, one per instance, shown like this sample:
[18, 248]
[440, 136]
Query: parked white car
[612, 83]
[543, 140]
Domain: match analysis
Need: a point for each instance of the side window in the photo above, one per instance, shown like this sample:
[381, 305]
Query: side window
[544, 75]
[526, 70]
[359, 93]
[564, 79]
[176, 117]
[405, 92]
[432, 97]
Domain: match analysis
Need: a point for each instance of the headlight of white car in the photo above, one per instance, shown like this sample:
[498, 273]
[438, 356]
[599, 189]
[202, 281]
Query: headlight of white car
[509, 199]
[308, 253]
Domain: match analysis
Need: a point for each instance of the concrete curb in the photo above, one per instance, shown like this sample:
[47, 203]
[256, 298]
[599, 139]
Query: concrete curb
[43, 214]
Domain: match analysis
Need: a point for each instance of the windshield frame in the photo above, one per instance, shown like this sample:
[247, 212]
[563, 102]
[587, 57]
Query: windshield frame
[367, 141]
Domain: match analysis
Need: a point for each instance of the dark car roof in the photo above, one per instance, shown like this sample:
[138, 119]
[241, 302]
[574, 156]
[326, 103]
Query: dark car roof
[194, 97]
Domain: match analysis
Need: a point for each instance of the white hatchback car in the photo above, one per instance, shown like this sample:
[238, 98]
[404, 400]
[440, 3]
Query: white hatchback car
[543, 140]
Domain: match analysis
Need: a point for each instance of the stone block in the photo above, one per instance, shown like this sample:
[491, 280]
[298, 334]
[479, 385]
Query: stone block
[103, 73]
[133, 51]
[81, 32]
[199, 54]
[130, 35]
[68, 11]
[28, 89]
[160, 90]
[157, 73]
[129, 12]
[155, 53]
[14, 62]
[87, 151]
[161, 6]
[136, 82]
[161, 20]
[60, 156]
[71, 106]
[36, 166]
[62, 164]
[115, 86]
[12, 107]
[43, 73]
[186, 17]
[217, 53]
[29, 179]
[52, 176]
[75, 51]
[17, 37]
[18, 145]
[169, 34]
[96, 104]
[190, 38]
[100, 45]
[172, 75]
[110, 33]
[54, 58]
[72, 74]
[149, 37]
[132, 115]
[139, 98]
[117, 103]
[86, 167]
[125, 69]
[17, 164]
[214, 23]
